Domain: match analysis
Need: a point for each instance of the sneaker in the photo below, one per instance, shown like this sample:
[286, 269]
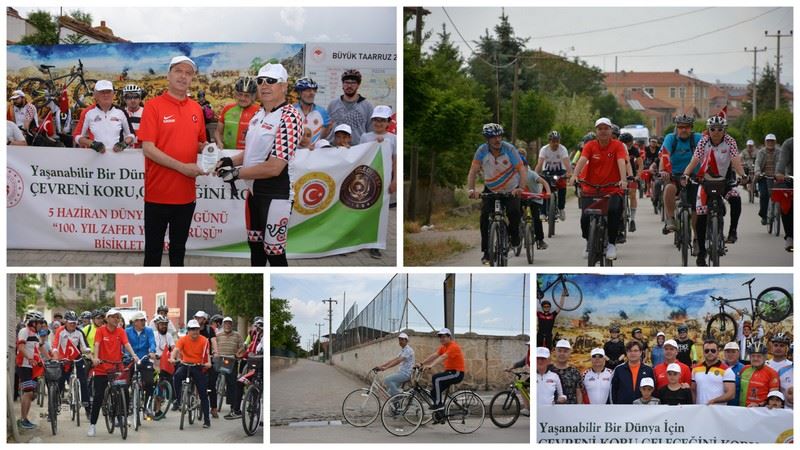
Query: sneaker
[671, 226]
[701, 259]
[233, 415]
[611, 252]
[485, 259]
[763, 221]
[621, 239]
[731, 239]
[632, 226]
[789, 244]
[541, 244]
[206, 424]
[543, 217]
[562, 215]
[695, 247]
[25, 424]
[176, 406]
[92, 431]
[375, 253]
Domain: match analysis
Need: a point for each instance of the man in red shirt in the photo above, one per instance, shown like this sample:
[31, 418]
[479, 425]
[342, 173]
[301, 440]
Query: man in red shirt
[671, 357]
[606, 159]
[172, 133]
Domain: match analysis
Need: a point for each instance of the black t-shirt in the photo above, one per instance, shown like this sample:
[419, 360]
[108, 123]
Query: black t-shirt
[634, 153]
[682, 396]
[650, 158]
[545, 321]
[208, 332]
[613, 351]
[685, 351]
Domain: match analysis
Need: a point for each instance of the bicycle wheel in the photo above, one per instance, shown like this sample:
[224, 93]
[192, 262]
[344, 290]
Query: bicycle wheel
[552, 210]
[402, 414]
[361, 407]
[713, 240]
[40, 387]
[751, 195]
[465, 412]
[193, 406]
[776, 219]
[251, 410]
[161, 400]
[221, 386]
[774, 304]
[136, 402]
[529, 241]
[504, 409]
[53, 404]
[424, 398]
[493, 248]
[685, 230]
[594, 243]
[108, 410]
[722, 328]
[75, 387]
[122, 414]
[83, 93]
[185, 394]
[503, 245]
[567, 295]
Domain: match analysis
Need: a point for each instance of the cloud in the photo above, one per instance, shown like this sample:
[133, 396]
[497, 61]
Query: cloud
[492, 321]
[307, 310]
[483, 311]
[294, 18]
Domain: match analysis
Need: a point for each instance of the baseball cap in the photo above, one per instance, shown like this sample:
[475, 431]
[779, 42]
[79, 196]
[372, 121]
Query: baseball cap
[17, 94]
[182, 59]
[602, 121]
[382, 112]
[103, 85]
[563, 343]
[201, 314]
[776, 394]
[227, 319]
[443, 330]
[139, 315]
[113, 312]
[647, 381]
[750, 142]
[402, 336]
[674, 367]
[193, 324]
[770, 137]
[671, 342]
[542, 352]
[598, 351]
[276, 71]
[731, 346]
[661, 333]
[343, 127]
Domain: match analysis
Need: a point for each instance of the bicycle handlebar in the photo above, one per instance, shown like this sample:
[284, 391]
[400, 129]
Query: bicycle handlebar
[496, 195]
[597, 186]
[534, 196]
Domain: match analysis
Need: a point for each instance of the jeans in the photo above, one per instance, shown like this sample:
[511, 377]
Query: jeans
[157, 217]
[200, 382]
[394, 381]
[233, 391]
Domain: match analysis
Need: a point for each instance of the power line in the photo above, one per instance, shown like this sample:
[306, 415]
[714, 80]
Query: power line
[619, 27]
[492, 65]
[722, 52]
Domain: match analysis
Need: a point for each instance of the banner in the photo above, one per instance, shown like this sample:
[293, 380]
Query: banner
[638, 424]
[76, 199]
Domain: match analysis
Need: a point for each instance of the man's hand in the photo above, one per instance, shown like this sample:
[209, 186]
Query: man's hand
[228, 173]
[120, 146]
[474, 194]
[225, 161]
[98, 146]
[191, 170]
[515, 192]
[684, 180]
[207, 365]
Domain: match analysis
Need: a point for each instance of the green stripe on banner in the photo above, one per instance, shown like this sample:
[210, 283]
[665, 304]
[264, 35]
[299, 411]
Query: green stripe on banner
[339, 226]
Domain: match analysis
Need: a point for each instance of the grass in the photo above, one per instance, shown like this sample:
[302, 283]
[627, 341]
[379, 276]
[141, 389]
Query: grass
[429, 253]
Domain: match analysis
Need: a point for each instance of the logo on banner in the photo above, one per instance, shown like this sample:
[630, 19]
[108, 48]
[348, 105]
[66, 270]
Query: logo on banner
[315, 193]
[362, 188]
[15, 187]
[318, 54]
[787, 437]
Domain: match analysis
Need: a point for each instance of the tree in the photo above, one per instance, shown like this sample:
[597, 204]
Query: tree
[765, 93]
[75, 38]
[47, 30]
[27, 292]
[535, 115]
[778, 122]
[81, 16]
[605, 105]
[282, 334]
[574, 118]
[240, 294]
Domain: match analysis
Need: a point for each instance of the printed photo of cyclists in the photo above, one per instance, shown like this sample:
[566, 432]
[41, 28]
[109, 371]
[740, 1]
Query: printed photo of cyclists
[599, 136]
[141, 358]
[400, 358]
[702, 351]
[203, 138]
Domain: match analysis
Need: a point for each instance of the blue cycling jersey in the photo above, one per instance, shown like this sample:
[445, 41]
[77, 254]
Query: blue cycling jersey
[683, 151]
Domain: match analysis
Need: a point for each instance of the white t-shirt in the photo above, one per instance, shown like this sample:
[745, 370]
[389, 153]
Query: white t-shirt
[407, 353]
[31, 340]
[13, 133]
[387, 137]
[711, 381]
[547, 387]
[777, 366]
[598, 386]
[163, 341]
[553, 160]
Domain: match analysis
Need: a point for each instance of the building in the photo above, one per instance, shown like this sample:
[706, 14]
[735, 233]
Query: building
[18, 27]
[658, 113]
[77, 291]
[683, 92]
[184, 294]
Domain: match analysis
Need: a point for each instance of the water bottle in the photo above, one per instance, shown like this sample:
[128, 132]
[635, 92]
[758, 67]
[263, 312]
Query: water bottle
[209, 158]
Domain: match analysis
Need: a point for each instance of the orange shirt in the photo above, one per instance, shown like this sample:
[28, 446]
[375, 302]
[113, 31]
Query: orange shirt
[176, 127]
[455, 358]
[634, 373]
[603, 165]
[110, 345]
[193, 351]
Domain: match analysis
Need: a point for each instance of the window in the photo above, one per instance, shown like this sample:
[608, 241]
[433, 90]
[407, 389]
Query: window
[137, 302]
[161, 300]
[650, 91]
[77, 281]
[123, 299]
[672, 92]
[682, 92]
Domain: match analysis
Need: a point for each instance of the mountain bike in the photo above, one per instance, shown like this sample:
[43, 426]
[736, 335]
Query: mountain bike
[498, 244]
[683, 222]
[114, 407]
[137, 392]
[252, 398]
[773, 305]
[715, 241]
[626, 212]
[598, 225]
[190, 399]
[526, 225]
[75, 399]
[556, 180]
[53, 370]
[566, 294]
[162, 397]
[403, 413]
[504, 408]
[42, 90]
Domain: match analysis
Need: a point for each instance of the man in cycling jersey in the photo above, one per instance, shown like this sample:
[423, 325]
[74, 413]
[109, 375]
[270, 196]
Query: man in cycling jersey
[451, 357]
[606, 159]
[597, 380]
[193, 349]
[28, 364]
[757, 379]
[503, 172]
[98, 320]
[678, 149]
[554, 160]
[716, 153]
[103, 126]
[69, 344]
[406, 361]
[780, 347]
[713, 382]
[133, 95]
[315, 117]
[548, 384]
[235, 117]
[545, 319]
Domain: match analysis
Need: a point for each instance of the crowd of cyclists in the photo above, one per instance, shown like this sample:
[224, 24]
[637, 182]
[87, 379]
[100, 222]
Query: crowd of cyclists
[613, 164]
[97, 343]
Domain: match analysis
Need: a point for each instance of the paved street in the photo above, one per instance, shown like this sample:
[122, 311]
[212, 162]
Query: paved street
[645, 247]
[24, 258]
[306, 401]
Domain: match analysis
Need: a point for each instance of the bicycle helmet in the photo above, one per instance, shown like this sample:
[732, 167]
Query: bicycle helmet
[492, 129]
[553, 135]
[683, 119]
[246, 84]
[683, 329]
[615, 130]
[86, 315]
[259, 323]
[305, 83]
[757, 347]
[162, 308]
[160, 319]
[97, 313]
[70, 316]
[351, 74]
[780, 338]
[216, 318]
[589, 137]
[34, 316]
[716, 121]
[627, 138]
[132, 89]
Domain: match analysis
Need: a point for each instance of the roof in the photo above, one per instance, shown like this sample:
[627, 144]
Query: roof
[716, 91]
[649, 79]
[640, 100]
[98, 33]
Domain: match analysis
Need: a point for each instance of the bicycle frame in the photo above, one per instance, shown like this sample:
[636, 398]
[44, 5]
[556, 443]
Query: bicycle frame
[560, 278]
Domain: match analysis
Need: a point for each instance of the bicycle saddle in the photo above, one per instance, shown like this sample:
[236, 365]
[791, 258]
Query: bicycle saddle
[748, 282]
[45, 66]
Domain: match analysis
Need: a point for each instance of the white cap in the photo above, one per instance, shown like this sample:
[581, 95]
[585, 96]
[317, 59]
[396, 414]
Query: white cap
[17, 94]
[647, 381]
[542, 352]
[139, 315]
[731, 346]
[770, 137]
[444, 331]
[598, 351]
[382, 111]
[343, 127]
[273, 71]
[113, 312]
[750, 142]
[671, 342]
[776, 394]
[603, 121]
[103, 85]
[193, 324]
[563, 343]
[227, 319]
[182, 59]
[661, 333]
[201, 314]
[402, 336]
[674, 367]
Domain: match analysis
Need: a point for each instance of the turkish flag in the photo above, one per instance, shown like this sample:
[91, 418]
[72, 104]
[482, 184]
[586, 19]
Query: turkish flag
[38, 366]
[165, 365]
[70, 351]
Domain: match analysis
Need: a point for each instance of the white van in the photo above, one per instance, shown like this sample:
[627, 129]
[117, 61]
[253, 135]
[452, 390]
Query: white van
[639, 132]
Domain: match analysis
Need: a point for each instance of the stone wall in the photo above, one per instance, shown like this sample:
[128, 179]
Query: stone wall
[485, 357]
[279, 362]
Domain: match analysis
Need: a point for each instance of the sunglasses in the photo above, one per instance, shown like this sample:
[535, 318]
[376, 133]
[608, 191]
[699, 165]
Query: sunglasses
[709, 350]
[597, 356]
[268, 80]
[684, 127]
[716, 129]
[129, 97]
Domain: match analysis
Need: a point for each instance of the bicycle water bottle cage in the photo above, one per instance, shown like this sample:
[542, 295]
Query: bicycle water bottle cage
[598, 207]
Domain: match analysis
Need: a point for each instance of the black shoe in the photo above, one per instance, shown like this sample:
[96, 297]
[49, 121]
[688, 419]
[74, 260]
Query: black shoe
[763, 221]
[701, 259]
[176, 406]
[621, 239]
[632, 226]
[206, 424]
[232, 415]
[541, 245]
[731, 238]
[485, 259]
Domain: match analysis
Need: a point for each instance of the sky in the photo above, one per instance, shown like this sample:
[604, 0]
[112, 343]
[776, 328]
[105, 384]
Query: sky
[497, 300]
[716, 56]
[239, 24]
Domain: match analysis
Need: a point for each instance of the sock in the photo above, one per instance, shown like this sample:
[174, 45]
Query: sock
[633, 213]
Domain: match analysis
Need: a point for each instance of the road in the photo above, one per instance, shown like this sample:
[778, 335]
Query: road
[645, 247]
[306, 401]
[162, 431]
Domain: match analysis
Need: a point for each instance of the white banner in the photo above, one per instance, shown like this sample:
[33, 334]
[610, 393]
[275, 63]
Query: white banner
[76, 199]
[638, 424]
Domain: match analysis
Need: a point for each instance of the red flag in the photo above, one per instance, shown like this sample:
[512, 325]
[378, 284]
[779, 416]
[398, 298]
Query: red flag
[70, 351]
[709, 166]
[205, 352]
[165, 365]
[666, 164]
[37, 364]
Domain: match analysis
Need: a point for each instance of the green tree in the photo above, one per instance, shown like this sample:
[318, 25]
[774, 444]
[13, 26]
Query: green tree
[606, 106]
[536, 114]
[27, 292]
[574, 118]
[778, 122]
[75, 38]
[47, 30]
[240, 294]
[51, 299]
[765, 93]
[282, 334]
[81, 16]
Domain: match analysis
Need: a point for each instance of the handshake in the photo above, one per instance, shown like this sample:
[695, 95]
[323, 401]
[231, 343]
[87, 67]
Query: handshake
[225, 170]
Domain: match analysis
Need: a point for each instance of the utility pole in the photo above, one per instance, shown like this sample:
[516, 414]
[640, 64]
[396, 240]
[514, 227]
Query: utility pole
[497, 86]
[755, 52]
[524, 279]
[330, 303]
[778, 65]
[319, 333]
[470, 303]
[514, 102]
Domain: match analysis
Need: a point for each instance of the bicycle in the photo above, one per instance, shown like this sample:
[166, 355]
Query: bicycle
[626, 212]
[773, 305]
[190, 399]
[251, 400]
[114, 407]
[555, 179]
[41, 386]
[566, 294]
[526, 225]
[224, 365]
[683, 223]
[780, 199]
[53, 369]
[137, 391]
[598, 225]
[403, 413]
[504, 408]
[498, 244]
[714, 190]
[42, 91]
[362, 406]
[161, 400]
[75, 401]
